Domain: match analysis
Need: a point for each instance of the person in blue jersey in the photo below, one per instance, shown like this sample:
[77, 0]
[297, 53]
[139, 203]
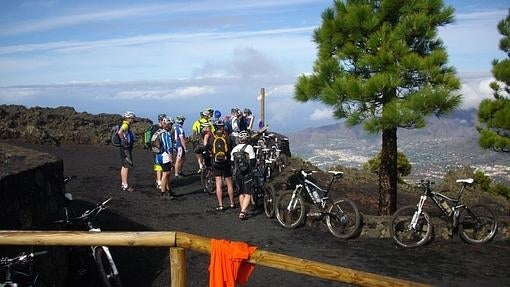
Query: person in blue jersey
[127, 139]
[157, 168]
[180, 145]
[164, 157]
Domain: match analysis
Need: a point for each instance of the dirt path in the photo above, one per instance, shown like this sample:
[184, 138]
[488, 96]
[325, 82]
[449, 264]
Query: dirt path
[444, 263]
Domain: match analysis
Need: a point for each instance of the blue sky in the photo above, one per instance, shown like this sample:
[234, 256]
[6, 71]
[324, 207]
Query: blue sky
[179, 57]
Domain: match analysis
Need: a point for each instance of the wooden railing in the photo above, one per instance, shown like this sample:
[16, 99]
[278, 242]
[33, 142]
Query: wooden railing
[179, 241]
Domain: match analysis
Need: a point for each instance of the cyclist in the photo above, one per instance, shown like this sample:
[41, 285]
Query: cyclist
[126, 149]
[180, 145]
[164, 158]
[220, 147]
[248, 119]
[197, 137]
[157, 167]
[243, 176]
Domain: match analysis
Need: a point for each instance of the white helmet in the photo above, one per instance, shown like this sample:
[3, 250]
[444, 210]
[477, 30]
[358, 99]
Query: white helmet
[180, 119]
[244, 135]
[129, 115]
[167, 120]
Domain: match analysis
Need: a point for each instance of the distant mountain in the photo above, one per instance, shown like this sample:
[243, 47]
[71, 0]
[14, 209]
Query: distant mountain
[444, 143]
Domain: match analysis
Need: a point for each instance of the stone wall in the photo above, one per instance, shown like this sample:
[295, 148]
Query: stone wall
[31, 188]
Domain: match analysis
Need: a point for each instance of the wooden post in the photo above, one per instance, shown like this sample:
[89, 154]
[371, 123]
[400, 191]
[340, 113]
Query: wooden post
[263, 106]
[177, 267]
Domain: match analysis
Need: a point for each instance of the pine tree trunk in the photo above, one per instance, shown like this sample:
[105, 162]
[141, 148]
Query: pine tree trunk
[388, 173]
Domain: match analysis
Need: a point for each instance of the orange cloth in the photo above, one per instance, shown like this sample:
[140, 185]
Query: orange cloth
[227, 266]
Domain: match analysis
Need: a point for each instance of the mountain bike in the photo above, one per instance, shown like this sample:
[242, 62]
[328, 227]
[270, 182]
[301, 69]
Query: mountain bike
[95, 258]
[207, 178]
[20, 270]
[411, 226]
[342, 216]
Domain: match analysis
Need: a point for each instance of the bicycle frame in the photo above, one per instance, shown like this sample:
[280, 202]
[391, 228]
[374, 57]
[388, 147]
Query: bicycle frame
[436, 197]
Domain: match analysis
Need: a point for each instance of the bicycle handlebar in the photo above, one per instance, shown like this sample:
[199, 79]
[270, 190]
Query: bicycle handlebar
[21, 258]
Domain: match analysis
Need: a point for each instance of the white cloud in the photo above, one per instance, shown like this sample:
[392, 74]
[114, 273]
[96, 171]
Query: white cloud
[165, 94]
[70, 19]
[322, 114]
[475, 88]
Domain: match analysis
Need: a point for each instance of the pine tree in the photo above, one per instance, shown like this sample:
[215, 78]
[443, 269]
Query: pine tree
[494, 115]
[380, 63]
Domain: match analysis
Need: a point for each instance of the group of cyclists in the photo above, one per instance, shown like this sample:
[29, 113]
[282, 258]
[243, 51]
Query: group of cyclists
[215, 142]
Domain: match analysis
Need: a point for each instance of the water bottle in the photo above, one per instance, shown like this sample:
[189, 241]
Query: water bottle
[445, 206]
[315, 196]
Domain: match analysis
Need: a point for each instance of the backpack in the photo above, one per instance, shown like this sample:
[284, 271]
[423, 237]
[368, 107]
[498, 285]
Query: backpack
[114, 137]
[149, 131]
[156, 141]
[219, 148]
[241, 162]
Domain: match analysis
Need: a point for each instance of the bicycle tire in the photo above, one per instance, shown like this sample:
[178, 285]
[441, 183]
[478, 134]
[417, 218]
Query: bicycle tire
[269, 199]
[208, 180]
[290, 214]
[343, 219]
[402, 233]
[104, 269]
[283, 161]
[477, 224]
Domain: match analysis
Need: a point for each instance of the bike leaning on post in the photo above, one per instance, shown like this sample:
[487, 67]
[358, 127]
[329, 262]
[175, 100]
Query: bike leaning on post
[93, 257]
[20, 270]
[342, 216]
[411, 225]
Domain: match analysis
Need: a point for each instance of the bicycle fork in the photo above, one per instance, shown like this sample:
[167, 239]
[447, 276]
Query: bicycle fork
[106, 252]
[417, 213]
[108, 256]
[293, 200]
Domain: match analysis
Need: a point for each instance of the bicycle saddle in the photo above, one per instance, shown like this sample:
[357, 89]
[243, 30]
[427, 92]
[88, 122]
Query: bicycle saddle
[336, 173]
[466, 180]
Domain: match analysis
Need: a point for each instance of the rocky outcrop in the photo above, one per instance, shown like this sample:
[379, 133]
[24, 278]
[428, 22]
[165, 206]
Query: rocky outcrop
[61, 125]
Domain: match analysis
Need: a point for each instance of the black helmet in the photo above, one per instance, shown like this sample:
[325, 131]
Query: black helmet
[161, 117]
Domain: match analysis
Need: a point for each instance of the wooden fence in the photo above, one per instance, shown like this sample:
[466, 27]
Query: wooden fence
[179, 241]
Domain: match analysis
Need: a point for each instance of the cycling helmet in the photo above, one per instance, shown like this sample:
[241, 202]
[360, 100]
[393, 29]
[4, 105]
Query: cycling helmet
[167, 120]
[217, 114]
[211, 111]
[161, 116]
[206, 114]
[247, 111]
[129, 115]
[244, 135]
[180, 119]
[219, 123]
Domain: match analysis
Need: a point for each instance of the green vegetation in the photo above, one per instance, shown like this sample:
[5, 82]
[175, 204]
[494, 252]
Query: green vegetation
[403, 165]
[483, 183]
[494, 114]
[381, 64]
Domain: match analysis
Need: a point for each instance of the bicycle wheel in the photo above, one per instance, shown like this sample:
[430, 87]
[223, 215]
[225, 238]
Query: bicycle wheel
[478, 224]
[208, 180]
[105, 270]
[283, 161]
[269, 199]
[290, 212]
[343, 218]
[405, 235]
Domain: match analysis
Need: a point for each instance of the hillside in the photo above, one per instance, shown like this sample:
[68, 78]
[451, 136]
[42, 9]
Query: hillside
[444, 144]
[60, 125]
[333, 146]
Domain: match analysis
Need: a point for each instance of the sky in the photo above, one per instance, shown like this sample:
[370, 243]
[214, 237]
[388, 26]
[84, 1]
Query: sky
[179, 57]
